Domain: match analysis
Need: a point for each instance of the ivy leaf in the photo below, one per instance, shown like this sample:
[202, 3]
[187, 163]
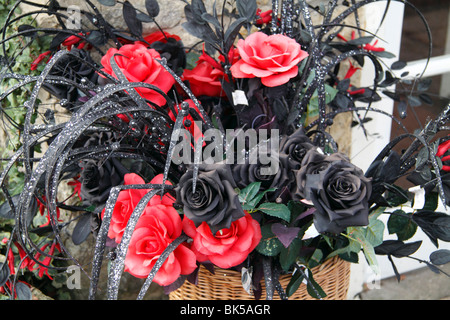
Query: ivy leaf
[278, 210]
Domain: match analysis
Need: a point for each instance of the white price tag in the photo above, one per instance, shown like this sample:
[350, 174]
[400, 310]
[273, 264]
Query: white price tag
[419, 196]
[239, 97]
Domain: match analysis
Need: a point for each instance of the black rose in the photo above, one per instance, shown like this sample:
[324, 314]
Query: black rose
[269, 168]
[313, 162]
[174, 53]
[340, 193]
[72, 69]
[295, 147]
[214, 199]
[98, 177]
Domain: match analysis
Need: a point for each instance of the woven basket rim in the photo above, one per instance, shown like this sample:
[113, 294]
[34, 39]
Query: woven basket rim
[333, 276]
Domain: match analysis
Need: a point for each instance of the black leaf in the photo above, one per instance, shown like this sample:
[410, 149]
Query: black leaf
[426, 98]
[424, 84]
[4, 273]
[96, 38]
[397, 248]
[401, 108]
[5, 209]
[440, 257]
[361, 41]
[23, 291]
[197, 9]
[247, 9]
[436, 225]
[343, 85]
[144, 17]
[58, 39]
[82, 229]
[392, 95]
[398, 65]
[414, 101]
[130, 17]
[232, 32]
[152, 7]
[201, 31]
[26, 27]
[109, 3]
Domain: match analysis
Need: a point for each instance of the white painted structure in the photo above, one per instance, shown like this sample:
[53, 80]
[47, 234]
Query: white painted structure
[365, 149]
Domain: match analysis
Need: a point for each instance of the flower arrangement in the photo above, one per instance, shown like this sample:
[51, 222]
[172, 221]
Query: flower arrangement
[216, 155]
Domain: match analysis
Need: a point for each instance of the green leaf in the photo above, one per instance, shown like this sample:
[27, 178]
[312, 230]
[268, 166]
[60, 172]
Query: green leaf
[289, 255]
[368, 249]
[401, 225]
[374, 232]
[313, 288]
[269, 244]
[278, 210]
[249, 192]
[296, 281]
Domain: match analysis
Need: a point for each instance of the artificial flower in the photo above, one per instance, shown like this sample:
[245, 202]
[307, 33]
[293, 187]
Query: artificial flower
[138, 64]
[274, 59]
[228, 247]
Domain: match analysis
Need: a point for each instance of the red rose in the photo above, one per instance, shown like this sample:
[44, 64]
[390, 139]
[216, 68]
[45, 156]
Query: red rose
[272, 58]
[263, 17]
[138, 64]
[161, 37]
[192, 127]
[229, 247]
[127, 201]
[205, 79]
[444, 154]
[159, 226]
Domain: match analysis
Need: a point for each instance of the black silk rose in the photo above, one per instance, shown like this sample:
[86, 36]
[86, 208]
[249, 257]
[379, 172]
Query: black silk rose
[295, 147]
[313, 162]
[214, 199]
[340, 193]
[271, 169]
[98, 177]
[72, 69]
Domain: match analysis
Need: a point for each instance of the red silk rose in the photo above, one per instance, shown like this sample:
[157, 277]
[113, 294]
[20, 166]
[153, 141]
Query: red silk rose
[205, 78]
[229, 247]
[192, 127]
[272, 58]
[161, 37]
[159, 226]
[442, 152]
[138, 64]
[127, 201]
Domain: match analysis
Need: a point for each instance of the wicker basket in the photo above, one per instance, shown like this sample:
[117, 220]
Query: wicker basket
[333, 276]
